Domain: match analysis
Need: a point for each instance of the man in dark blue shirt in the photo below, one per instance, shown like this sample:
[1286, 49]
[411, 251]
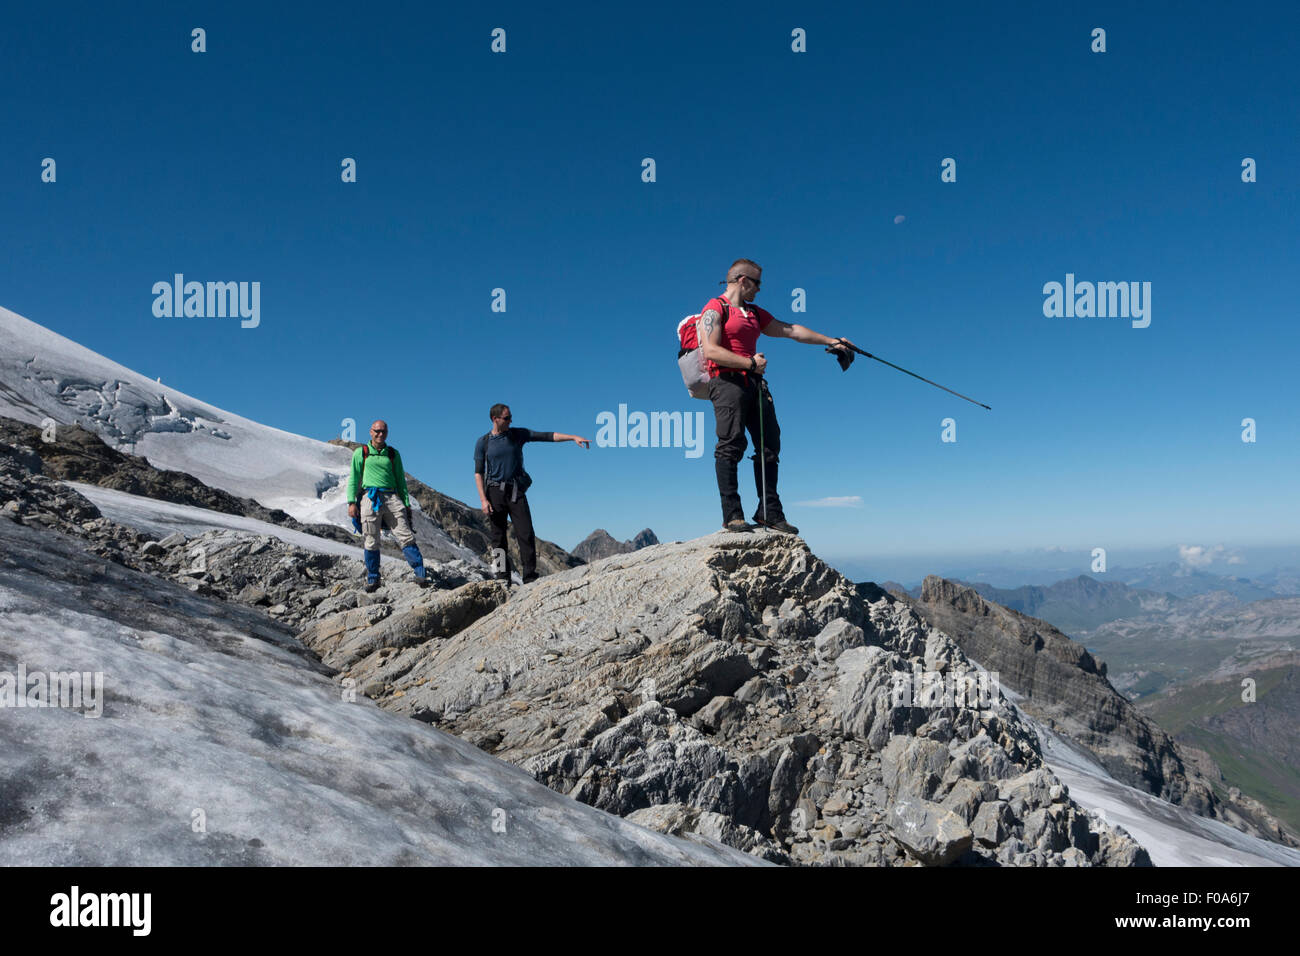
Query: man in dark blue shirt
[502, 481]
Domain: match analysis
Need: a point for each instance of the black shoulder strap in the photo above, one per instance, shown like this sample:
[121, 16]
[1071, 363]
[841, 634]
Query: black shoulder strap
[725, 313]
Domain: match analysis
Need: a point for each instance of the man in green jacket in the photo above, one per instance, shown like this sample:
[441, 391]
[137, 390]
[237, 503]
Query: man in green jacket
[377, 493]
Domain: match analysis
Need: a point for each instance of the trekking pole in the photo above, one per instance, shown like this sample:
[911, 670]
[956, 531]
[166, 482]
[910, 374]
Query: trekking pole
[913, 374]
[762, 450]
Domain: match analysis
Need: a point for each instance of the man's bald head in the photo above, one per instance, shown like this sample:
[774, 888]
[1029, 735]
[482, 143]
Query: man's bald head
[744, 267]
[745, 276]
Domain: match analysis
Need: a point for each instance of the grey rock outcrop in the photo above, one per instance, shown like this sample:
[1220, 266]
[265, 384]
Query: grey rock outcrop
[929, 833]
[734, 686]
[679, 819]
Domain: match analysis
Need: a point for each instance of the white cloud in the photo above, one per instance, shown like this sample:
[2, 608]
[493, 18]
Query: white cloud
[1199, 556]
[1195, 555]
[848, 501]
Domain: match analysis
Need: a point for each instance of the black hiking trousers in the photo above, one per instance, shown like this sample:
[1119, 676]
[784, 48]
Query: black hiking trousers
[504, 509]
[738, 401]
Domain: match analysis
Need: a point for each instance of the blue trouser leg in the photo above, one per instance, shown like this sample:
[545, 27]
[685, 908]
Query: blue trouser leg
[414, 559]
[372, 565]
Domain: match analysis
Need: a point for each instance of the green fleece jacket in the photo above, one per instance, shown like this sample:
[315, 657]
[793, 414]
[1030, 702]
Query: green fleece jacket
[383, 470]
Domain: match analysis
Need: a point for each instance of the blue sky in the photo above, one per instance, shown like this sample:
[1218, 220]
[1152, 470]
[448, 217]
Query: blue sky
[523, 171]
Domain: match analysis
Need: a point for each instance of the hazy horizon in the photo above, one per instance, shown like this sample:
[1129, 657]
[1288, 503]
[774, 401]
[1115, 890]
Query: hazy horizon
[1014, 568]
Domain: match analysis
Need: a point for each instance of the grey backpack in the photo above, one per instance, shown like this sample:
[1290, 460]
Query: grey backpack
[690, 356]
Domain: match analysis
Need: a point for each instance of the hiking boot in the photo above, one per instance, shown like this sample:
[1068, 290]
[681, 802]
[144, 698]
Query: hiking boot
[372, 586]
[737, 524]
[780, 524]
[422, 580]
[530, 578]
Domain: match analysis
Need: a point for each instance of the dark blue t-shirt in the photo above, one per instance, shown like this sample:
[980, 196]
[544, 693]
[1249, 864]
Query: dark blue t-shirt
[501, 457]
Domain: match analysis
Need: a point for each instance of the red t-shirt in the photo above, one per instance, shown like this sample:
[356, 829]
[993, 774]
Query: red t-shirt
[740, 329]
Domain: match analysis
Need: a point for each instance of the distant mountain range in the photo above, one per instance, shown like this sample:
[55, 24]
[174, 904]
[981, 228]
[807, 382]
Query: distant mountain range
[1182, 581]
[1274, 574]
[1078, 604]
[1082, 604]
[601, 544]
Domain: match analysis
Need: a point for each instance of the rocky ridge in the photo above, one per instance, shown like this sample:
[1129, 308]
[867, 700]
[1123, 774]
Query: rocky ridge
[1064, 686]
[733, 686]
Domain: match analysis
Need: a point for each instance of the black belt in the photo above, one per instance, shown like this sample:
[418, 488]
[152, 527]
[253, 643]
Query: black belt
[731, 373]
[503, 485]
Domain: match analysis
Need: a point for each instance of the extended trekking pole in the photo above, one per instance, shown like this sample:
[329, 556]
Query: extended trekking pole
[762, 449]
[913, 374]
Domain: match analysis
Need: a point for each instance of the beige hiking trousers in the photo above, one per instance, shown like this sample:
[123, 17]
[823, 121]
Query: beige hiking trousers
[391, 515]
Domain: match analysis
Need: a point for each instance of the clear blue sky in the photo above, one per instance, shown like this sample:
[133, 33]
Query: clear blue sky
[523, 171]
